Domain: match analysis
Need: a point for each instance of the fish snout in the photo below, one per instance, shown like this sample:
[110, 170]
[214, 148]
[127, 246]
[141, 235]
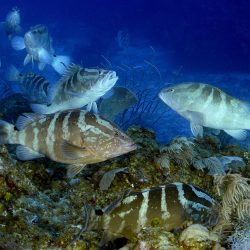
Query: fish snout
[127, 145]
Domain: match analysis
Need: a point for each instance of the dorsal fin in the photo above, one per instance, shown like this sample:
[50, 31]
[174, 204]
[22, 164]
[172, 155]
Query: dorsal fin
[27, 118]
[71, 69]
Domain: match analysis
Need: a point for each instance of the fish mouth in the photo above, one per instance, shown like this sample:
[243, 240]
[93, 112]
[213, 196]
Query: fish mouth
[111, 75]
[130, 146]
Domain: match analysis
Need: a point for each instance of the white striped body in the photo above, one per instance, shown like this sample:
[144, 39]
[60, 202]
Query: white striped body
[80, 87]
[73, 137]
[208, 106]
[34, 87]
[168, 206]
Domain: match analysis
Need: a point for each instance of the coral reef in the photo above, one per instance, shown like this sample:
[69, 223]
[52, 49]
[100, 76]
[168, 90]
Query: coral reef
[41, 209]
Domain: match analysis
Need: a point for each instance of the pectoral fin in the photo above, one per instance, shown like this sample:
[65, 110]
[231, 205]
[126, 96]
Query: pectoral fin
[27, 59]
[73, 152]
[197, 130]
[24, 153]
[194, 117]
[239, 134]
[73, 170]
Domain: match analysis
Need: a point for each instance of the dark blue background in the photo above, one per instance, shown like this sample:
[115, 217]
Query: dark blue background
[202, 35]
[208, 39]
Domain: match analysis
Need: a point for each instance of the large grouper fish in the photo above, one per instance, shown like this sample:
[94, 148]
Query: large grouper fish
[169, 206]
[73, 137]
[76, 88]
[205, 105]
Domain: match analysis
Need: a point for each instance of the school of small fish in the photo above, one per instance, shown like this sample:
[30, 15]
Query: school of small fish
[66, 127]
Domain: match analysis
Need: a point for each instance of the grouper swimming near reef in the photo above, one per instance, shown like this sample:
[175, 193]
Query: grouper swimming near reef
[205, 105]
[168, 206]
[73, 137]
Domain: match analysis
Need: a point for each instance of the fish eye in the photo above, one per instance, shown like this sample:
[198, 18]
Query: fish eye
[170, 90]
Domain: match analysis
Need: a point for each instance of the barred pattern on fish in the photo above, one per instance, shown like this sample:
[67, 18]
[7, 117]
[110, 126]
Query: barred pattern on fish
[34, 87]
[77, 88]
[73, 137]
[170, 205]
[205, 105]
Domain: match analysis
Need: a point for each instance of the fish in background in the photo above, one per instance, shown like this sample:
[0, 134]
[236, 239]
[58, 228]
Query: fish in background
[205, 105]
[12, 22]
[120, 100]
[73, 137]
[171, 205]
[123, 39]
[34, 87]
[77, 88]
[38, 45]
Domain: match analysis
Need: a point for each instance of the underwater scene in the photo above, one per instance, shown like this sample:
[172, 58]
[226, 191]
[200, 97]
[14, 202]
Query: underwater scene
[124, 125]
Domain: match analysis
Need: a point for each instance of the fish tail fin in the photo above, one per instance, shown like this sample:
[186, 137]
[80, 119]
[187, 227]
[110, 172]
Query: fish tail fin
[17, 43]
[6, 132]
[40, 109]
[60, 63]
[12, 74]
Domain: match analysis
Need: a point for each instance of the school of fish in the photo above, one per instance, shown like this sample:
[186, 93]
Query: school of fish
[66, 128]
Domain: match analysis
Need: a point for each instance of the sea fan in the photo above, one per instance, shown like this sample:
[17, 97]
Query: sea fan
[219, 165]
[181, 151]
[213, 164]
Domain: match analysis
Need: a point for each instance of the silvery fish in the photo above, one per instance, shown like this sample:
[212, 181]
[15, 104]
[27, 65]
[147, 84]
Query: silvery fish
[120, 100]
[207, 106]
[73, 137]
[12, 22]
[34, 87]
[170, 206]
[38, 44]
[77, 88]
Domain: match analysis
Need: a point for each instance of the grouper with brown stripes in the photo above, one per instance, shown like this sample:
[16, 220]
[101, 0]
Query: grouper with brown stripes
[169, 206]
[205, 105]
[73, 137]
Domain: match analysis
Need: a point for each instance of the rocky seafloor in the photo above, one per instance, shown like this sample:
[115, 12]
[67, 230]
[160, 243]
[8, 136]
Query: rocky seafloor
[41, 209]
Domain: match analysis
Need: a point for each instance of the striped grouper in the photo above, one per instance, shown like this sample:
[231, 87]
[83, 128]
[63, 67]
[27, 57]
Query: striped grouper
[168, 206]
[78, 87]
[73, 137]
[205, 105]
[34, 87]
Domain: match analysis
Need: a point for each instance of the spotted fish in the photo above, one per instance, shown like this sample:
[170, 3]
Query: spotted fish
[207, 106]
[73, 137]
[77, 88]
[34, 87]
[170, 206]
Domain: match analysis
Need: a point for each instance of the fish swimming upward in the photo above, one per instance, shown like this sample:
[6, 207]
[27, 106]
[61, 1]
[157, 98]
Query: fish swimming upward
[38, 44]
[207, 106]
[73, 137]
[34, 87]
[12, 22]
[170, 206]
[77, 88]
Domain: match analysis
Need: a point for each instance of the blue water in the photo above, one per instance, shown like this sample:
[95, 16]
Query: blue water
[170, 41]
